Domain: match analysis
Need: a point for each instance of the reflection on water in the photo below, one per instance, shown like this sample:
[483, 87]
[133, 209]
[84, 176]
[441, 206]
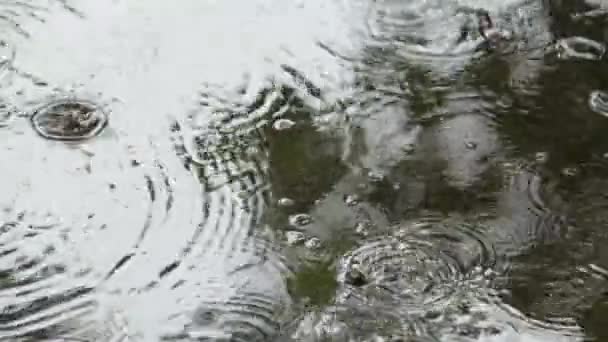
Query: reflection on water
[344, 171]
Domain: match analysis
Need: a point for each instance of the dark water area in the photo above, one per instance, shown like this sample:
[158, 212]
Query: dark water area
[303, 171]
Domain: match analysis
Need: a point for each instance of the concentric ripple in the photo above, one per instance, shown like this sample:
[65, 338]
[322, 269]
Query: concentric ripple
[222, 145]
[445, 35]
[438, 276]
[419, 260]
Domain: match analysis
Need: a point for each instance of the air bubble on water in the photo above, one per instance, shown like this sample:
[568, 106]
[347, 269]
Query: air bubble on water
[285, 202]
[569, 171]
[351, 200]
[375, 176]
[283, 124]
[408, 148]
[471, 145]
[300, 220]
[598, 101]
[362, 228]
[541, 157]
[580, 48]
[69, 119]
[313, 243]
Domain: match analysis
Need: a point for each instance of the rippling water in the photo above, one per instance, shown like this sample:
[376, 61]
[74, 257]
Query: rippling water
[306, 171]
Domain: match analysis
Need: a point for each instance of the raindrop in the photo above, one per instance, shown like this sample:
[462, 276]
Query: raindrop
[283, 124]
[579, 47]
[285, 202]
[300, 219]
[69, 120]
[313, 243]
[294, 237]
[598, 101]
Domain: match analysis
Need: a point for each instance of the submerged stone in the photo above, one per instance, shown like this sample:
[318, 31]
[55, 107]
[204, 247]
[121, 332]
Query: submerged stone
[71, 120]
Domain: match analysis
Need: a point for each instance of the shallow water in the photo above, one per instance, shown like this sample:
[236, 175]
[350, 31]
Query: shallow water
[305, 171]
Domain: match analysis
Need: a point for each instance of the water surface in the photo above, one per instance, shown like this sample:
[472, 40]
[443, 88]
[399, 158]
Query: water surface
[256, 150]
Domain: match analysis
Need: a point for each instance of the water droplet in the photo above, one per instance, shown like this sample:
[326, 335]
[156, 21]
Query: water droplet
[351, 200]
[598, 101]
[282, 124]
[300, 219]
[313, 243]
[294, 237]
[285, 202]
[580, 47]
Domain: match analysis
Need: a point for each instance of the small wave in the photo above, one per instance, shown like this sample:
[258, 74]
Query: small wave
[222, 144]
